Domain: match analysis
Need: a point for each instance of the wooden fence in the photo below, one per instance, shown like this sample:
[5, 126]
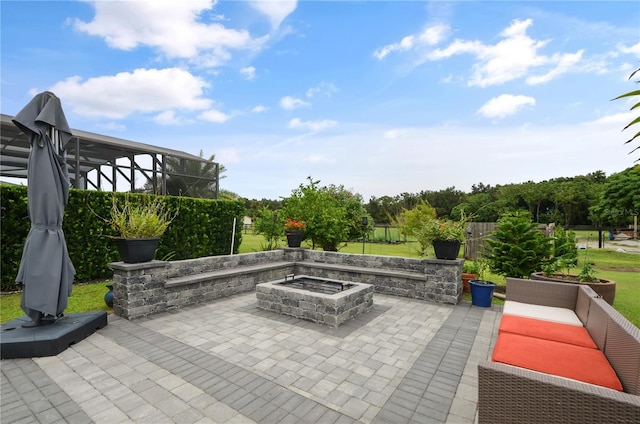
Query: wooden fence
[480, 231]
[475, 241]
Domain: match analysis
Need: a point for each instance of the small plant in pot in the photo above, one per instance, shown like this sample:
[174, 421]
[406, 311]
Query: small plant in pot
[444, 235]
[481, 289]
[470, 270]
[294, 230]
[587, 275]
[139, 227]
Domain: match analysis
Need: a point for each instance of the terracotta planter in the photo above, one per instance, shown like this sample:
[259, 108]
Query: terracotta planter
[465, 281]
[605, 288]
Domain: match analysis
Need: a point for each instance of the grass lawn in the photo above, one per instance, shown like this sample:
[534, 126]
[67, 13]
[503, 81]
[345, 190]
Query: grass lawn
[623, 268]
[84, 298]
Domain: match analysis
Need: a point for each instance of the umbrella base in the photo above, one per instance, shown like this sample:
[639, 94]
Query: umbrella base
[18, 341]
[47, 320]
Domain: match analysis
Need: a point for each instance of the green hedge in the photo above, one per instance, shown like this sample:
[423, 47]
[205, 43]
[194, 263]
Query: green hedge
[202, 227]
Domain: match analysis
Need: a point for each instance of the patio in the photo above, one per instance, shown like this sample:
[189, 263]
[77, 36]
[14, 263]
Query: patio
[228, 361]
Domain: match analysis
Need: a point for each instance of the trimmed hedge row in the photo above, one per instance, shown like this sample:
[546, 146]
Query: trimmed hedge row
[202, 227]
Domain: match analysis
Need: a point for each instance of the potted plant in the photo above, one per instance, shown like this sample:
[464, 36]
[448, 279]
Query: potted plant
[554, 272]
[139, 227]
[444, 235]
[294, 230]
[481, 289]
[470, 270]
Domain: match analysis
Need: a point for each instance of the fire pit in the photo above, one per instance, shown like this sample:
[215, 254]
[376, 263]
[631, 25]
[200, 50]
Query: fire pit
[321, 300]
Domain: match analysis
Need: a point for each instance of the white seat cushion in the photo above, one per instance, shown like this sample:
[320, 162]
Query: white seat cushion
[547, 313]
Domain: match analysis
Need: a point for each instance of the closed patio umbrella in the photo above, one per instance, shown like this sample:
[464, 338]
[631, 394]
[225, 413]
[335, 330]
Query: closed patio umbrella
[46, 272]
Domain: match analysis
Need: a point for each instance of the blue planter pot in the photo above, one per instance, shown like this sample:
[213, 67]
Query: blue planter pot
[108, 297]
[481, 292]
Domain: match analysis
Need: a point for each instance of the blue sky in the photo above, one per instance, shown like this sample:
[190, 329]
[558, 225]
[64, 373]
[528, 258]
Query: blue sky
[383, 97]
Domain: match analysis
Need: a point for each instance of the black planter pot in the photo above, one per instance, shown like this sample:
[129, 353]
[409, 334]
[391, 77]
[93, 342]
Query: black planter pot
[294, 238]
[446, 249]
[133, 251]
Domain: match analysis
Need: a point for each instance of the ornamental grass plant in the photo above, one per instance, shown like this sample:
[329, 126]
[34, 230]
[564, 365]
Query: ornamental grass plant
[147, 219]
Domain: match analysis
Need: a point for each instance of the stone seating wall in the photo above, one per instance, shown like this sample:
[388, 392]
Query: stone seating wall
[152, 287]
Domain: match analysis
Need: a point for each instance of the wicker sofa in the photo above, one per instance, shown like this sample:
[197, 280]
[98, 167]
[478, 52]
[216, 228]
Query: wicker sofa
[511, 394]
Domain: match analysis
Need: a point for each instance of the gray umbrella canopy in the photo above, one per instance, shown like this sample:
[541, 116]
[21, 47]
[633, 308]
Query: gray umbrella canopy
[46, 271]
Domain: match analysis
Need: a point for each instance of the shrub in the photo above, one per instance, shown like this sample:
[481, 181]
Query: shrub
[332, 214]
[565, 252]
[270, 224]
[203, 228]
[422, 224]
[517, 248]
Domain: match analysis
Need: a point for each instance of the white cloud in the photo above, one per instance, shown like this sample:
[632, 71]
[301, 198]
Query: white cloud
[168, 117]
[395, 133]
[620, 119]
[564, 62]
[422, 156]
[513, 57]
[429, 37]
[227, 156]
[259, 109]
[215, 116]
[112, 126]
[505, 105]
[324, 88]
[290, 103]
[634, 49]
[175, 28]
[275, 10]
[249, 72]
[318, 159]
[140, 91]
[296, 123]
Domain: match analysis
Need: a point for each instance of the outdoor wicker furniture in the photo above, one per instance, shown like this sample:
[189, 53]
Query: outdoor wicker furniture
[513, 394]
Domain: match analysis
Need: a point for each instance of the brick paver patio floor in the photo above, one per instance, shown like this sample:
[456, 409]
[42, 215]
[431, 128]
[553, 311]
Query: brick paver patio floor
[229, 362]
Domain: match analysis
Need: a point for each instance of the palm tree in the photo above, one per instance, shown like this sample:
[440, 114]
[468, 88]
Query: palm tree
[192, 178]
[637, 119]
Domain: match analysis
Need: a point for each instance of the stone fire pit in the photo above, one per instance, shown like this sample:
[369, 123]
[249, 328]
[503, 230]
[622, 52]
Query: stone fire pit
[321, 300]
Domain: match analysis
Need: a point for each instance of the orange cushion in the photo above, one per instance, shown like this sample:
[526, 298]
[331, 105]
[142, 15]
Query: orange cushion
[556, 358]
[547, 330]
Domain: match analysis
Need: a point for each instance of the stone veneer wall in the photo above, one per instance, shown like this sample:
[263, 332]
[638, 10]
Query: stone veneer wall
[152, 287]
[437, 280]
[142, 289]
[324, 308]
[138, 289]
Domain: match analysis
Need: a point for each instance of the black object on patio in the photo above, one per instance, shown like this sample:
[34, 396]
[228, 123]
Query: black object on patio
[46, 272]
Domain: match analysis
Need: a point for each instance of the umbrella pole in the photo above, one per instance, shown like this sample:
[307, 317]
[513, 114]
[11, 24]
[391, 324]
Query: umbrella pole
[55, 139]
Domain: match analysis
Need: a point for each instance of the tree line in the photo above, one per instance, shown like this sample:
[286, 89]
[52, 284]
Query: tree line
[593, 199]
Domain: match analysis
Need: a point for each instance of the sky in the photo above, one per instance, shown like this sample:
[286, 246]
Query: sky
[383, 97]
